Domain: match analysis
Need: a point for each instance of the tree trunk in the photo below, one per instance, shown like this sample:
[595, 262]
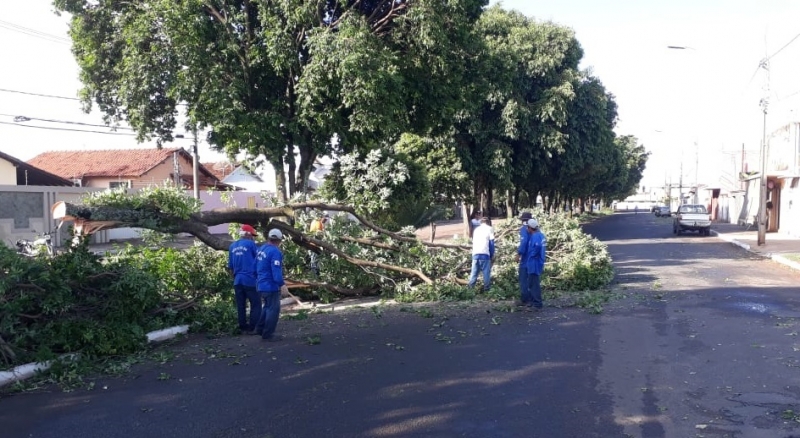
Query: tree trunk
[291, 163]
[509, 205]
[465, 215]
[307, 158]
[280, 181]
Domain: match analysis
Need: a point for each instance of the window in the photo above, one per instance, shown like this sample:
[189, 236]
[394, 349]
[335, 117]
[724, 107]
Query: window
[692, 209]
[794, 182]
[119, 185]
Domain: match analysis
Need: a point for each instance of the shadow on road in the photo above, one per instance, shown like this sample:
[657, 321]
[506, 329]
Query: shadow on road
[469, 370]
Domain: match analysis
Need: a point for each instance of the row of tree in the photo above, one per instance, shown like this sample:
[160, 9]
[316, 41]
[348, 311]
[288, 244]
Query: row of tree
[462, 101]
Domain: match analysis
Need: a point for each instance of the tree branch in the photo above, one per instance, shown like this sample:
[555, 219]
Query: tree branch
[302, 240]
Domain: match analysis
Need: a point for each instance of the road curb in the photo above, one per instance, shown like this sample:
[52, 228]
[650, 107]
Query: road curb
[784, 261]
[774, 257]
[29, 370]
[732, 241]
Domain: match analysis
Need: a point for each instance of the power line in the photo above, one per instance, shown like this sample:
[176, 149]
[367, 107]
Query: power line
[764, 62]
[33, 32]
[87, 131]
[784, 46]
[67, 129]
[5, 90]
[38, 94]
[26, 118]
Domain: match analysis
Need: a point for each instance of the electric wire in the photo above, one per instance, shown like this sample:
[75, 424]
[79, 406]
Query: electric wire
[87, 131]
[52, 128]
[5, 90]
[784, 46]
[28, 93]
[34, 33]
[66, 122]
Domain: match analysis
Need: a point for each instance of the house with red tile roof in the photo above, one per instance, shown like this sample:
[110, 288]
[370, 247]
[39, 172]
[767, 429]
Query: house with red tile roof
[131, 168]
[15, 172]
[239, 175]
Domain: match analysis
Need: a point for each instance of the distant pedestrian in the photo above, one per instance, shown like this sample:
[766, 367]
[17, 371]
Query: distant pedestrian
[523, 242]
[534, 255]
[482, 254]
[270, 284]
[242, 266]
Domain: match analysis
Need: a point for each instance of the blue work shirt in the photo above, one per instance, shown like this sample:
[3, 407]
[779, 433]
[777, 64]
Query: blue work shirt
[535, 253]
[269, 266]
[242, 261]
[523, 243]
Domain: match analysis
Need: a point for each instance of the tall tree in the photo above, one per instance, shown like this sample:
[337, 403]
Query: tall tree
[275, 78]
[587, 154]
[629, 159]
[527, 71]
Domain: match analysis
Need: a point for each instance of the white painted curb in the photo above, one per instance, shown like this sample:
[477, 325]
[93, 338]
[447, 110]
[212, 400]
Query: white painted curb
[775, 257]
[784, 261]
[731, 240]
[167, 333]
[29, 370]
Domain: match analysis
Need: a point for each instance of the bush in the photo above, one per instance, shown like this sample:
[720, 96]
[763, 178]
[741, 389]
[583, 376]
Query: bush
[76, 302]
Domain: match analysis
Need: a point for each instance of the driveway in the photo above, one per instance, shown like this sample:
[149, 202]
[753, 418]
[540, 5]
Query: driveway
[700, 343]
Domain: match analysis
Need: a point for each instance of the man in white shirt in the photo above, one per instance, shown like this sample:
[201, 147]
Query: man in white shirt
[482, 253]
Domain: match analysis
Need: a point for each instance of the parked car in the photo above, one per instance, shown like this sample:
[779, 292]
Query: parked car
[662, 211]
[692, 217]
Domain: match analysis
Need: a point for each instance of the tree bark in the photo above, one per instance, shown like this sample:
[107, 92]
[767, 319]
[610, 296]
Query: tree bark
[280, 181]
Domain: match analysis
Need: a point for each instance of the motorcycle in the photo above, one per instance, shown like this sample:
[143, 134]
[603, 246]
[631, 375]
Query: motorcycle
[43, 244]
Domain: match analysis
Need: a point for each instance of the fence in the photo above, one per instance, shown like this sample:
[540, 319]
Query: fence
[25, 211]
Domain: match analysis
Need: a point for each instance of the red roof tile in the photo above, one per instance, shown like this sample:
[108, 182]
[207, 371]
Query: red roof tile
[102, 163]
[221, 169]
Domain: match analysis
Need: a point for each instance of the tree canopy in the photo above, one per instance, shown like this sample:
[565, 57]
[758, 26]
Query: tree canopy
[490, 103]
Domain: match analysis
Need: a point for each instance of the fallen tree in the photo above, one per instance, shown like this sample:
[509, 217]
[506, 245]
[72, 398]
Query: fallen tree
[359, 257]
[92, 218]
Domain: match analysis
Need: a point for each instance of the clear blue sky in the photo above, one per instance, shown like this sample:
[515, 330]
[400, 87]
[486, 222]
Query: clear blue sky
[708, 95]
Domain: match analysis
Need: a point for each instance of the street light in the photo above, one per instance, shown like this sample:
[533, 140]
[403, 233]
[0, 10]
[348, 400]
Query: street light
[696, 149]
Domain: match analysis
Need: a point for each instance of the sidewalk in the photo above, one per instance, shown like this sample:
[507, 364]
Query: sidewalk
[781, 248]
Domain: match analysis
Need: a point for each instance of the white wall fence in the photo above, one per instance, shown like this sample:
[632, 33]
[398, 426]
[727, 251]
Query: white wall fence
[25, 212]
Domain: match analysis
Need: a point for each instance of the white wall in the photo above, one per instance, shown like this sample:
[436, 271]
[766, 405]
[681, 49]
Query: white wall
[8, 173]
[790, 207]
[50, 195]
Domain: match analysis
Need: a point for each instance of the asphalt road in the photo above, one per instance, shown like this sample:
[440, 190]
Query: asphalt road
[703, 342]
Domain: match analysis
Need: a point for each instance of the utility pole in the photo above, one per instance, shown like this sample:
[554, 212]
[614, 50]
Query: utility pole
[680, 187]
[762, 202]
[696, 177]
[195, 166]
[741, 177]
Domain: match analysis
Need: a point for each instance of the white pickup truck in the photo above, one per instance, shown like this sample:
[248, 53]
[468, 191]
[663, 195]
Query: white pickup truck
[692, 217]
